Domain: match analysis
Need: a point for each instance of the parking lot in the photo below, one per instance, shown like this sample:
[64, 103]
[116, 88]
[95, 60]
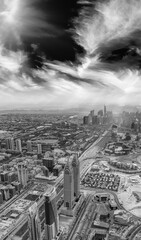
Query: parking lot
[101, 180]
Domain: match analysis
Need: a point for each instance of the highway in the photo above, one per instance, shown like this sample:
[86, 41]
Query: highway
[78, 220]
[73, 232]
[87, 158]
[135, 231]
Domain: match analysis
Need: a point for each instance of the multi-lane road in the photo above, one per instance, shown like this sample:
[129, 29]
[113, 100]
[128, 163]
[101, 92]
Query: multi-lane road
[86, 159]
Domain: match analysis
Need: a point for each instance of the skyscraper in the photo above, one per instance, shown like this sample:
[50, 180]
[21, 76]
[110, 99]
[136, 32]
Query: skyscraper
[39, 148]
[51, 215]
[92, 113]
[85, 120]
[29, 146]
[10, 144]
[34, 223]
[76, 175]
[18, 145]
[68, 186]
[105, 111]
[22, 174]
[100, 113]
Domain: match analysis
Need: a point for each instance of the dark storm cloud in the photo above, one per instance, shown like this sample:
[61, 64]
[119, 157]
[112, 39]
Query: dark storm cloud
[57, 44]
[71, 52]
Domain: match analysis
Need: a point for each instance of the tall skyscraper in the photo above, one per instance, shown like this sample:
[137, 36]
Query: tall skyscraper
[92, 113]
[18, 145]
[100, 113]
[89, 118]
[95, 120]
[39, 148]
[85, 120]
[51, 215]
[22, 174]
[68, 186]
[10, 144]
[76, 175]
[105, 111]
[29, 146]
[34, 223]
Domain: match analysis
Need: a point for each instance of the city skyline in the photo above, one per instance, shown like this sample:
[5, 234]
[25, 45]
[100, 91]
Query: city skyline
[81, 53]
[65, 176]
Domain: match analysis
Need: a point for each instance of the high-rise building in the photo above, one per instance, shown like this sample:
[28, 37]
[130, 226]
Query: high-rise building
[49, 163]
[68, 186]
[10, 144]
[22, 174]
[76, 175]
[105, 111]
[18, 145]
[85, 120]
[39, 148]
[29, 146]
[92, 113]
[34, 223]
[51, 215]
[4, 176]
[100, 113]
[45, 171]
[1, 198]
[89, 118]
[95, 120]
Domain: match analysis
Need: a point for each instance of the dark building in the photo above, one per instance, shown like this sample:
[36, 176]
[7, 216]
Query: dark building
[100, 113]
[85, 120]
[92, 113]
[95, 120]
[68, 186]
[56, 170]
[17, 186]
[49, 163]
[76, 175]
[4, 177]
[46, 171]
[1, 197]
[51, 215]
[12, 191]
[105, 111]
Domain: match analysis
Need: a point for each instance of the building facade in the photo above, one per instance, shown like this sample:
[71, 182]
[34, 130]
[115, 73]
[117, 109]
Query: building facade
[76, 174]
[68, 186]
[18, 145]
[51, 215]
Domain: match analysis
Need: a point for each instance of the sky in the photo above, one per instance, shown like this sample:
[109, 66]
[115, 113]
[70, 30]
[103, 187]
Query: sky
[68, 54]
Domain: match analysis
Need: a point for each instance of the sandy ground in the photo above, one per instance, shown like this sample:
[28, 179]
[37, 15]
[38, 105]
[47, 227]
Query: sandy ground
[126, 196]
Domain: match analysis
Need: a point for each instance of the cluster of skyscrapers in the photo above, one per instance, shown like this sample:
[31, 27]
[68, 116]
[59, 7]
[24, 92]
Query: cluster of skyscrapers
[13, 145]
[102, 117]
[16, 145]
[71, 194]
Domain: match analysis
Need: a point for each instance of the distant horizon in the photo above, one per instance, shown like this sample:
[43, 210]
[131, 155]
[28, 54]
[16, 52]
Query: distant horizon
[96, 107]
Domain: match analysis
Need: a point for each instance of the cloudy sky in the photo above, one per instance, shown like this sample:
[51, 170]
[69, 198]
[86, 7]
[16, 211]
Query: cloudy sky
[63, 54]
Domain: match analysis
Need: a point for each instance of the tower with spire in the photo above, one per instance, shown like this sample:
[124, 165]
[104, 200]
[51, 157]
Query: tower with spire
[76, 175]
[68, 186]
